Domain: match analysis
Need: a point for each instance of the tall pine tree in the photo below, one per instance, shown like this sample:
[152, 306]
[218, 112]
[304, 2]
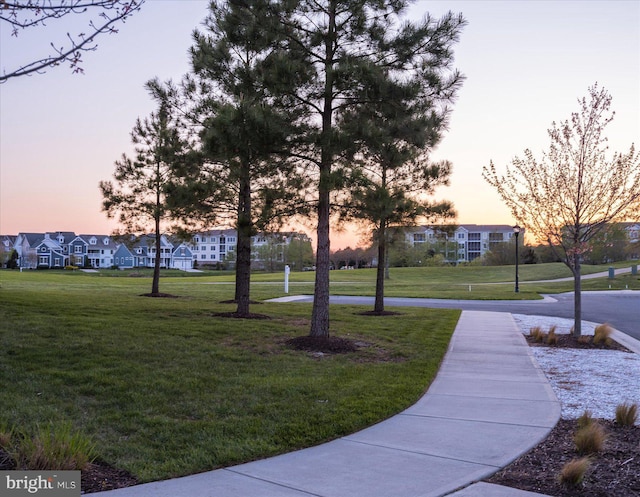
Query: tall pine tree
[351, 45]
[246, 126]
[393, 139]
[138, 196]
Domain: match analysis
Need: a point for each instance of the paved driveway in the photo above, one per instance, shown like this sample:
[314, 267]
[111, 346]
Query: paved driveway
[621, 309]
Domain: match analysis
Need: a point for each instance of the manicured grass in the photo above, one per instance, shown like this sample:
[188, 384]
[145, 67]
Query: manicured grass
[165, 388]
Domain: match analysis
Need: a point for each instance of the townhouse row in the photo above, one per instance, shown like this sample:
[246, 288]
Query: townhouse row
[64, 248]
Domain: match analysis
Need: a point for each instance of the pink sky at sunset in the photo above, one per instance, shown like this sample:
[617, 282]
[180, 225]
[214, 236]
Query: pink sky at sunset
[526, 63]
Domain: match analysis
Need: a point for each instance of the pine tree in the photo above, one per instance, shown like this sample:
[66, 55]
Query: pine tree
[393, 139]
[245, 128]
[138, 195]
[352, 46]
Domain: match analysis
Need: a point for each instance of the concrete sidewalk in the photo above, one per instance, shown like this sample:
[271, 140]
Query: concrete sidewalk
[489, 404]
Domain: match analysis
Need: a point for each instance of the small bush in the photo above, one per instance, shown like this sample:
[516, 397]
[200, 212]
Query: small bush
[590, 439]
[55, 448]
[552, 338]
[602, 334]
[585, 420]
[573, 472]
[537, 334]
[71, 268]
[627, 414]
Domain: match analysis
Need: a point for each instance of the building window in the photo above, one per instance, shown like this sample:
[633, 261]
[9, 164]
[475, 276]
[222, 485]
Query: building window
[203, 256]
[474, 236]
[213, 257]
[460, 236]
[57, 261]
[78, 249]
[44, 260]
[419, 238]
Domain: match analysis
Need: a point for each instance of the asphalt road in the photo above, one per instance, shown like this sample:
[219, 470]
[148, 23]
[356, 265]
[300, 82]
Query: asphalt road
[620, 309]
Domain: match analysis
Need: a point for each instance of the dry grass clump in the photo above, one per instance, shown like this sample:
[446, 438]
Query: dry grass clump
[585, 419]
[552, 338]
[590, 439]
[602, 334]
[627, 414]
[537, 334]
[573, 472]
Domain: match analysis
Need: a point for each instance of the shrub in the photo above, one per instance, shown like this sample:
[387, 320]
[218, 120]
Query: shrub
[627, 414]
[537, 334]
[602, 334]
[71, 268]
[585, 420]
[573, 472]
[55, 448]
[590, 439]
[552, 338]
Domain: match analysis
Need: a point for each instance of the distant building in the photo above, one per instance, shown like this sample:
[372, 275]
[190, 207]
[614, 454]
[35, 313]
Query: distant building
[57, 249]
[464, 244]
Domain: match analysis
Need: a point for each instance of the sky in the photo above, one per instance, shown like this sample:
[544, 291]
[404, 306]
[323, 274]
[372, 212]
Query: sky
[526, 63]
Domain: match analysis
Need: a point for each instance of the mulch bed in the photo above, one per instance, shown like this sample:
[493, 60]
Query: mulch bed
[323, 345]
[99, 477]
[614, 472]
[160, 295]
[583, 342]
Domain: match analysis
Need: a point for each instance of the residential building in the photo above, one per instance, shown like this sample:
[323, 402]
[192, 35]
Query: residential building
[464, 244]
[63, 248]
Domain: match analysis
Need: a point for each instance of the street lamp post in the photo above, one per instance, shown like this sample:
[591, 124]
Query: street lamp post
[516, 232]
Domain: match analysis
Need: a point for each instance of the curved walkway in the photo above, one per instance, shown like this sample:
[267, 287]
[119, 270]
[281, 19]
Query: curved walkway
[489, 403]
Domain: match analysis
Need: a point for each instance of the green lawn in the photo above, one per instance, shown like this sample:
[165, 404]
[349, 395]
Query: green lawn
[166, 389]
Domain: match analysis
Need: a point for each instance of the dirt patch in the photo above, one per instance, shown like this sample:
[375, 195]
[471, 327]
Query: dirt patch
[613, 471]
[325, 345]
[379, 313]
[160, 295]
[99, 476]
[239, 315]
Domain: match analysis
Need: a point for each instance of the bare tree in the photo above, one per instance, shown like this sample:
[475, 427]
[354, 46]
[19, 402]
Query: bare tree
[28, 14]
[570, 195]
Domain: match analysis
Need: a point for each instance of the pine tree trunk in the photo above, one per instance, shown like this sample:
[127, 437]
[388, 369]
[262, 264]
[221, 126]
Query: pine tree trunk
[243, 247]
[320, 313]
[155, 285]
[382, 251]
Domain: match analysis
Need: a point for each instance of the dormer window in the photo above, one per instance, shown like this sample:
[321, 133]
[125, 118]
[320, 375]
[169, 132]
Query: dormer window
[93, 240]
[61, 239]
[106, 241]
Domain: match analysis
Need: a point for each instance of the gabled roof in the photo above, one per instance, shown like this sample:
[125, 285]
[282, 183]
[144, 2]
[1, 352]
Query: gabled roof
[100, 239]
[32, 239]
